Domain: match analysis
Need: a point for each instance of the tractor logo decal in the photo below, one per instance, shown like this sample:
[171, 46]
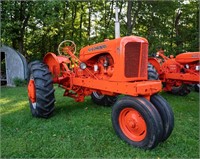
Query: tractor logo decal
[196, 56]
[97, 48]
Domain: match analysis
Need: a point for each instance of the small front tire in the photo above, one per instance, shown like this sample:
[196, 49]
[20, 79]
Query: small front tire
[166, 114]
[137, 122]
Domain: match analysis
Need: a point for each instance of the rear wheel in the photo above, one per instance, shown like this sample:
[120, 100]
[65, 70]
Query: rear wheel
[137, 122]
[152, 73]
[182, 90]
[104, 100]
[197, 87]
[166, 114]
[40, 90]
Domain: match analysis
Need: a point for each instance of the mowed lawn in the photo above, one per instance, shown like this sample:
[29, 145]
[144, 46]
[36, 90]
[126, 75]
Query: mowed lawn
[84, 130]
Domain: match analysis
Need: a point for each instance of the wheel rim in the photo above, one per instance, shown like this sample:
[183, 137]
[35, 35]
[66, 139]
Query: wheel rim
[31, 91]
[132, 124]
[97, 95]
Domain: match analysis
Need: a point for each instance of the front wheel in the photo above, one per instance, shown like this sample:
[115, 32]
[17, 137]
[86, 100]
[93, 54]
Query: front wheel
[137, 122]
[166, 114]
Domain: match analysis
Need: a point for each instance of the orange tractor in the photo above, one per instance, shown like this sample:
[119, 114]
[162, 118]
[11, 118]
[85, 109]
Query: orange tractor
[140, 116]
[177, 74]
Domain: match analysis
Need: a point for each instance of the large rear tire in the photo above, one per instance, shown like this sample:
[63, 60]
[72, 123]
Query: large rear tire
[104, 100]
[197, 87]
[40, 90]
[166, 114]
[182, 90]
[137, 122]
[152, 73]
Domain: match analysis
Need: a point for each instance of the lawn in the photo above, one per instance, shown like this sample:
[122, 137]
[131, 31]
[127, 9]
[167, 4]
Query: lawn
[84, 130]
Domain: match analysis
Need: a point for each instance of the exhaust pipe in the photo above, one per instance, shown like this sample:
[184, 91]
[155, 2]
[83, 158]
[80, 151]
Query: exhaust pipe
[117, 25]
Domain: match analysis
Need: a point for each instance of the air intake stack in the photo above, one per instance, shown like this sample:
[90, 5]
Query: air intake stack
[117, 25]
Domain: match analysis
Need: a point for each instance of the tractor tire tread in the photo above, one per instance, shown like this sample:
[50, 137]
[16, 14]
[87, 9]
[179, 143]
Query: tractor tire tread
[44, 90]
[48, 83]
[166, 114]
[152, 73]
[49, 93]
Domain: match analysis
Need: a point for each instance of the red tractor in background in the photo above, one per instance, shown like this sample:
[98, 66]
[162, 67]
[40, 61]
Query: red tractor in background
[177, 74]
[140, 117]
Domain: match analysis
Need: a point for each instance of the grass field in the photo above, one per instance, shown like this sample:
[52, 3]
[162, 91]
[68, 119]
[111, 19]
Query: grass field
[84, 130]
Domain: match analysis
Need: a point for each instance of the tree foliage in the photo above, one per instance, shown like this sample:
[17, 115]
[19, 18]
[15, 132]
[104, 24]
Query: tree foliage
[36, 27]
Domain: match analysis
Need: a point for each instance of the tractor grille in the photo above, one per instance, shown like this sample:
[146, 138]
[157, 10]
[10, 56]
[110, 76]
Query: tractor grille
[136, 59]
[144, 60]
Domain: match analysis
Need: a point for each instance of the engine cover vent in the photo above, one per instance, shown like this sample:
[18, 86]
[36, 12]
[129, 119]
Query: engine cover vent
[144, 60]
[136, 58]
[132, 59]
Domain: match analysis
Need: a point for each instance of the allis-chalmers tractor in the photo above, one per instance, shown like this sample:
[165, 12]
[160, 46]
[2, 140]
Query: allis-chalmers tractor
[177, 74]
[140, 116]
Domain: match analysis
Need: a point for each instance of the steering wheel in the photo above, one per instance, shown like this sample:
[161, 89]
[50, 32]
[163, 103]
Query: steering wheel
[66, 46]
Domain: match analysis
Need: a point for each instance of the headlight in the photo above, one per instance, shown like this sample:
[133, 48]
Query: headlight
[83, 66]
[197, 68]
[187, 66]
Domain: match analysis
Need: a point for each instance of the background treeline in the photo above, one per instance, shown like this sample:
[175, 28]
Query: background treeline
[36, 27]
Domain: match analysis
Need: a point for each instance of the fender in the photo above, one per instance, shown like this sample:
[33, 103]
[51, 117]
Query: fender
[55, 62]
[153, 61]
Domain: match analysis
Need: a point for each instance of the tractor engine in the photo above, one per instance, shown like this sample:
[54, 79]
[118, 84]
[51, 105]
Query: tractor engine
[102, 66]
[122, 59]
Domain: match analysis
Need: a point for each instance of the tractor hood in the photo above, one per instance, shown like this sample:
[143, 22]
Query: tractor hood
[109, 46]
[188, 57]
[129, 54]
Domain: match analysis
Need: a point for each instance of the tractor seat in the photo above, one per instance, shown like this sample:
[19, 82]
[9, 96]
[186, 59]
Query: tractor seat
[188, 57]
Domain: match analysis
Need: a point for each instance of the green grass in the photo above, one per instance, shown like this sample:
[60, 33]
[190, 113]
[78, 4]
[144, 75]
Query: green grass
[84, 130]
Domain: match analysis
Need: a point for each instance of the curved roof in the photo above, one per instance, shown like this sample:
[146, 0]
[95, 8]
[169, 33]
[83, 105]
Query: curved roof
[16, 65]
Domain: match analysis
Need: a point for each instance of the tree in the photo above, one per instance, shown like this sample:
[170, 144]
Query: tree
[15, 19]
[132, 17]
[34, 31]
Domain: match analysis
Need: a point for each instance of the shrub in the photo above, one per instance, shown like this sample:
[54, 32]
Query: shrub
[19, 82]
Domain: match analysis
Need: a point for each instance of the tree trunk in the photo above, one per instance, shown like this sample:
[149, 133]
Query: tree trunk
[129, 23]
[89, 20]
[73, 18]
[110, 14]
[136, 15]
[120, 9]
[24, 22]
[131, 20]
[80, 26]
[177, 30]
